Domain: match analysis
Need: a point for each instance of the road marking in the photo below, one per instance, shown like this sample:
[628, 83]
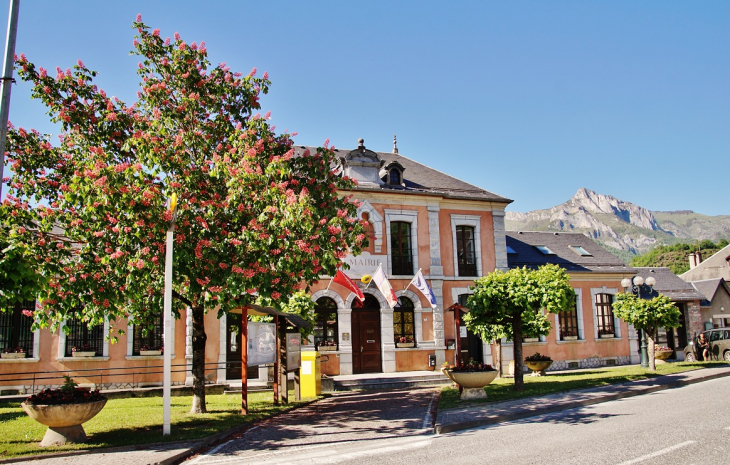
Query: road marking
[428, 419]
[658, 453]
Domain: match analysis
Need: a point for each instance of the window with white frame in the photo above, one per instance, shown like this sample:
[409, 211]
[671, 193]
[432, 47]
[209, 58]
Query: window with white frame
[82, 338]
[404, 329]
[402, 225]
[568, 321]
[604, 315]
[149, 336]
[466, 232]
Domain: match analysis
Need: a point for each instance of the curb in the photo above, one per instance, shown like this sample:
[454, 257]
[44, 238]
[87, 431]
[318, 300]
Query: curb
[197, 444]
[460, 426]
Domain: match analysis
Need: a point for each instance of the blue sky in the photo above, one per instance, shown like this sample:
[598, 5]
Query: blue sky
[530, 100]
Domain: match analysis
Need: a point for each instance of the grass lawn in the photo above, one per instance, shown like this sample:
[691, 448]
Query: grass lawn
[503, 389]
[131, 421]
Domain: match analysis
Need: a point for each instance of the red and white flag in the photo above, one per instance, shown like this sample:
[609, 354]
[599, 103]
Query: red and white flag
[384, 285]
[343, 280]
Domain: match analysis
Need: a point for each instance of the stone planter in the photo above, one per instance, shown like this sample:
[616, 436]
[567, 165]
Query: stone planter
[660, 356]
[13, 355]
[570, 338]
[538, 368]
[150, 353]
[63, 421]
[607, 336]
[530, 339]
[80, 354]
[405, 344]
[473, 382]
[327, 348]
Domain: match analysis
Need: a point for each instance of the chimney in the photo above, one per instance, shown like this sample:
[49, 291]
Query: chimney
[695, 258]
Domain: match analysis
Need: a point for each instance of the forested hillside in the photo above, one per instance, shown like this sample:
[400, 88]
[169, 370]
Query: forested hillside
[675, 257]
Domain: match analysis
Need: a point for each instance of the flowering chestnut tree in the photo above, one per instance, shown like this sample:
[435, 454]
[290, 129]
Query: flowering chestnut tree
[89, 212]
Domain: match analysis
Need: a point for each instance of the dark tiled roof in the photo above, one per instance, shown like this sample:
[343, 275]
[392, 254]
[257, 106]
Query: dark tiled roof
[669, 284]
[421, 179]
[708, 288]
[523, 243]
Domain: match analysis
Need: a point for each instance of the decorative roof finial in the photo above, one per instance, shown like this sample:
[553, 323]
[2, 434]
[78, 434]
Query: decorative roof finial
[395, 145]
[361, 143]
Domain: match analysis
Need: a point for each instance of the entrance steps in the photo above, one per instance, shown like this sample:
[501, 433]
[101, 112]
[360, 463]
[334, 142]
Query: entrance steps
[401, 380]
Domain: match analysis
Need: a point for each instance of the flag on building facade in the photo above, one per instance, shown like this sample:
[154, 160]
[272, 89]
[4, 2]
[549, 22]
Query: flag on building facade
[343, 280]
[385, 288]
[420, 283]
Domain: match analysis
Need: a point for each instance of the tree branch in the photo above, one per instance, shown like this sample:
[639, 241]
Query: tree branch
[182, 298]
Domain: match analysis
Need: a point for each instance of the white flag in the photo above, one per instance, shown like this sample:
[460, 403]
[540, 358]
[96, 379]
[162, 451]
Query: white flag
[420, 282]
[385, 288]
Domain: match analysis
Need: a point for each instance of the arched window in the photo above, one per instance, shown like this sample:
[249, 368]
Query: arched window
[404, 328]
[325, 329]
[604, 315]
[400, 247]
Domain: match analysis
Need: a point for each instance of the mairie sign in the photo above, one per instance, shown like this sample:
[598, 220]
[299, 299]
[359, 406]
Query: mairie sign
[363, 264]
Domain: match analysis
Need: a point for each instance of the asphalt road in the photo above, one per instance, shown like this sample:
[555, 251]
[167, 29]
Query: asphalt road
[687, 425]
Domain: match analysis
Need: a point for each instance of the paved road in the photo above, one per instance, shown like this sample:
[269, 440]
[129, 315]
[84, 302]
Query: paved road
[358, 420]
[687, 425]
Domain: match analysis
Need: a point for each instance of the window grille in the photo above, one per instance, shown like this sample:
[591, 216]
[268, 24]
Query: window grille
[465, 251]
[400, 248]
[15, 328]
[325, 329]
[604, 314]
[149, 336]
[403, 320]
[80, 335]
[569, 323]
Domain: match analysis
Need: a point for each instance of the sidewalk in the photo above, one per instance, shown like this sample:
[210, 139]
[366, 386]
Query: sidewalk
[451, 420]
[357, 408]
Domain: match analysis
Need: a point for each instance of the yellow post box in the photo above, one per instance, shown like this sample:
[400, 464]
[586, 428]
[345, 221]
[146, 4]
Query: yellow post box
[311, 379]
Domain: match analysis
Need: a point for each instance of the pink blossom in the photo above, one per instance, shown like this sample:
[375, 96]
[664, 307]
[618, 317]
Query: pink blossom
[275, 295]
[266, 75]
[253, 72]
[177, 36]
[139, 18]
[156, 32]
[80, 63]
[28, 313]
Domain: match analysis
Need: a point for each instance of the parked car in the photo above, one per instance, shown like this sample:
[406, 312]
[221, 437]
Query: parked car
[719, 346]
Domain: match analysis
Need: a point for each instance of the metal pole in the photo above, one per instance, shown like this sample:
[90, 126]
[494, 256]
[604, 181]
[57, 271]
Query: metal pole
[167, 322]
[244, 361]
[7, 80]
[277, 362]
[642, 338]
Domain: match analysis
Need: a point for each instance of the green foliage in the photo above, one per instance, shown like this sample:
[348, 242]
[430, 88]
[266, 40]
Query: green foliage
[659, 312]
[499, 296]
[298, 303]
[675, 257]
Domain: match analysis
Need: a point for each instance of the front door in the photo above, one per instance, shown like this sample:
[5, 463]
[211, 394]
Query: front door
[366, 342]
[233, 350]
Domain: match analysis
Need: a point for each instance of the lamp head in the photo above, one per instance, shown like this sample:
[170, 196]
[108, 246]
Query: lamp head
[650, 281]
[626, 283]
[638, 280]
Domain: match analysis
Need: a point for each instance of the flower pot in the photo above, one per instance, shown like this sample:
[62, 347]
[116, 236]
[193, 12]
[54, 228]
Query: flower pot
[63, 421]
[530, 339]
[13, 355]
[327, 348]
[405, 344]
[83, 354]
[538, 367]
[473, 382]
[661, 355]
[149, 353]
[606, 336]
[570, 338]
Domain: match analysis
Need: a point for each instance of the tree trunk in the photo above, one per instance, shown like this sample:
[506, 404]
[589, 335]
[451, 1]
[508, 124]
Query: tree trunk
[497, 354]
[651, 335]
[199, 338]
[517, 331]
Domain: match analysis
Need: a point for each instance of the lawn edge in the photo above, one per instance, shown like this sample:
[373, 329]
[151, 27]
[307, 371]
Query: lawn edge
[194, 448]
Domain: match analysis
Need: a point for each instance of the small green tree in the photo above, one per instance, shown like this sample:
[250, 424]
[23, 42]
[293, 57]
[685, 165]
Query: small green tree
[515, 303]
[647, 315]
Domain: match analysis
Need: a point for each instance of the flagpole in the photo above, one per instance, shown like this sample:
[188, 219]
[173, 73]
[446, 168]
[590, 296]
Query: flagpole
[331, 279]
[414, 278]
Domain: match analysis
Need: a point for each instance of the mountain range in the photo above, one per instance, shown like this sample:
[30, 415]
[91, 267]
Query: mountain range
[624, 228]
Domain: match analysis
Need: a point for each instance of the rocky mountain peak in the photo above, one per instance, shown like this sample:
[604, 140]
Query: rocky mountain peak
[607, 204]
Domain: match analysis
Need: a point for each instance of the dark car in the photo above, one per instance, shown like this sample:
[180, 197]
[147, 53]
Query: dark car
[719, 346]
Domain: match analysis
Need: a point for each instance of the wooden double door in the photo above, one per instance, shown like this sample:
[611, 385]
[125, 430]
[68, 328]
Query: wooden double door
[366, 354]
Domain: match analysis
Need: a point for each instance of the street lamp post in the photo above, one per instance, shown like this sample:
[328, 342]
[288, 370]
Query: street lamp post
[635, 287]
